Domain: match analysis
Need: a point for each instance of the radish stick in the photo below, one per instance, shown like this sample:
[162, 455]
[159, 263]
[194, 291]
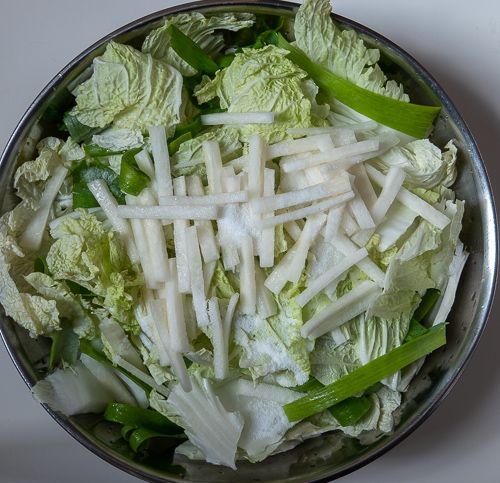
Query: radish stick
[168, 212]
[156, 241]
[161, 159]
[247, 276]
[196, 277]
[213, 163]
[335, 154]
[360, 212]
[266, 238]
[291, 265]
[175, 312]
[364, 185]
[317, 285]
[412, 201]
[266, 305]
[293, 230]
[352, 304]
[280, 201]
[217, 118]
[180, 227]
[347, 247]
[305, 212]
[393, 183]
[208, 242]
[362, 126]
[221, 363]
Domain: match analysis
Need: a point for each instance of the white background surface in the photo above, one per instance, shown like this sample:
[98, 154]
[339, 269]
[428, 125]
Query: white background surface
[458, 42]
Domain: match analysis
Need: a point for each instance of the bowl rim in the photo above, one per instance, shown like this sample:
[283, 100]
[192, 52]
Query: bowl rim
[488, 213]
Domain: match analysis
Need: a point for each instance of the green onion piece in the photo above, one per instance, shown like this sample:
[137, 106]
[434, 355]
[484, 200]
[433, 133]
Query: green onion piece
[311, 385]
[40, 265]
[193, 127]
[412, 119]
[225, 60]
[132, 180]
[367, 375]
[126, 431]
[416, 329]
[139, 417]
[426, 304]
[191, 52]
[350, 411]
[96, 151]
[87, 348]
[173, 146]
[140, 436]
[79, 132]
[86, 172]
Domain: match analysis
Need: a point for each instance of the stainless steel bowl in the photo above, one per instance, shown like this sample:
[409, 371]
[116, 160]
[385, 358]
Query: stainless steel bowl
[320, 459]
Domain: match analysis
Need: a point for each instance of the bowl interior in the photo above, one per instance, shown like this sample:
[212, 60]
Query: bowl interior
[328, 456]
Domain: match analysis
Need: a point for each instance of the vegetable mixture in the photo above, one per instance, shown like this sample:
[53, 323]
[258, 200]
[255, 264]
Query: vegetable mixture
[241, 238]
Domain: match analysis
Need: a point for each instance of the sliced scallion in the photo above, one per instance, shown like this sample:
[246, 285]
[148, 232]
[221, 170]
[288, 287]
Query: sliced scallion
[367, 375]
[412, 119]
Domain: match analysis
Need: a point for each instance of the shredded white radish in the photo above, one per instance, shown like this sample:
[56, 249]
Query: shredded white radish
[213, 163]
[333, 222]
[161, 159]
[386, 142]
[310, 131]
[266, 239]
[393, 183]
[228, 318]
[349, 223]
[208, 242]
[288, 148]
[155, 212]
[196, 277]
[230, 182]
[31, 239]
[266, 305]
[305, 212]
[343, 137]
[293, 181]
[175, 311]
[221, 360]
[180, 227]
[141, 244]
[317, 285]
[352, 304]
[412, 201]
[247, 276]
[336, 186]
[145, 163]
[363, 185]
[301, 248]
[155, 237]
[257, 161]
[107, 202]
[237, 118]
[230, 257]
[205, 200]
[292, 264]
[360, 212]
[335, 154]
[347, 247]
[293, 230]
